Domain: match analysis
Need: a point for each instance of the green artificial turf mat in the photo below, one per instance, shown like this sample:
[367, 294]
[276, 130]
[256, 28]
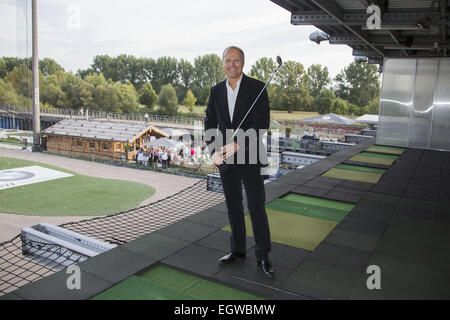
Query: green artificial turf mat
[307, 210]
[78, 195]
[137, 288]
[360, 168]
[293, 230]
[319, 202]
[375, 158]
[386, 149]
[208, 290]
[378, 155]
[353, 175]
[191, 286]
[169, 278]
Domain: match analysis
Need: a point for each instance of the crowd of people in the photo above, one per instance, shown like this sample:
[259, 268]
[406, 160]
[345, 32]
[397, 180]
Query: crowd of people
[164, 157]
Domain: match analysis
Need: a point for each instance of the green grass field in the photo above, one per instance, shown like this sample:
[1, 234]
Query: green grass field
[276, 115]
[73, 196]
[279, 115]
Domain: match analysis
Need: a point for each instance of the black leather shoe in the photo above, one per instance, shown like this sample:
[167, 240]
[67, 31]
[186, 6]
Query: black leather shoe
[266, 268]
[231, 257]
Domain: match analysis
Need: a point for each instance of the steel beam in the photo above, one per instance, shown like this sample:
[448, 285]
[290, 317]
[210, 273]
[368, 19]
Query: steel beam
[444, 25]
[331, 8]
[390, 20]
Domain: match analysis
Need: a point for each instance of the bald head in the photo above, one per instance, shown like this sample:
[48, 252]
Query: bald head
[234, 48]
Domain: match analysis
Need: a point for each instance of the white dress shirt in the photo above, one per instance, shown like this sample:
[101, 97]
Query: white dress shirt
[232, 96]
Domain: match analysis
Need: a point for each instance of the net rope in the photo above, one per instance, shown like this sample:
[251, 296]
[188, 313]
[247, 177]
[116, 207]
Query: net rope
[18, 267]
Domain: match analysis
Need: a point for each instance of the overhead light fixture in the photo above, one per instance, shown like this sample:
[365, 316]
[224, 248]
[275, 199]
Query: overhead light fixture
[424, 23]
[319, 36]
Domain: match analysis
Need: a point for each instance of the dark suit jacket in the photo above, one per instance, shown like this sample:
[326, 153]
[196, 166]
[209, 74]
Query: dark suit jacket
[218, 116]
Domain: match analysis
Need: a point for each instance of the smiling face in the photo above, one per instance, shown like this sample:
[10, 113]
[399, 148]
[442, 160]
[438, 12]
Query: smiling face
[233, 63]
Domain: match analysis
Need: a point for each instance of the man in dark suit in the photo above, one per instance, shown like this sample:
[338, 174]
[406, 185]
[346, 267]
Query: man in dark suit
[229, 102]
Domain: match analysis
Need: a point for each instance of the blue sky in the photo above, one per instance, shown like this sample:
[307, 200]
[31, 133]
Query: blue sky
[73, 32]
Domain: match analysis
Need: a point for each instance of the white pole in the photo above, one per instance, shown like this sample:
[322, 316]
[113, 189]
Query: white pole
[36, 110]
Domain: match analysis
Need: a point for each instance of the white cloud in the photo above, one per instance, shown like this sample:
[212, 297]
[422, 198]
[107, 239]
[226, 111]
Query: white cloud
[177, 28]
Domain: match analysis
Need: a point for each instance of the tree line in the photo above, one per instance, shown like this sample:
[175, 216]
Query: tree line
[136, 85]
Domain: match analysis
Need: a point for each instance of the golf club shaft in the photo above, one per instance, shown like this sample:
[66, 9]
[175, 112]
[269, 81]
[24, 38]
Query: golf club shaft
[254, 102]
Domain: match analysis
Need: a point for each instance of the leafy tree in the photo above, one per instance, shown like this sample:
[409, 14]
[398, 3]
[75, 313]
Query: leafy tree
[103, 93]
[148, 96]
[168, 101]
[324, 101]
[290, 92]
[263, 69]
[3, 70]
[7, 93]
[165, 71]
[49, 66]
[148, 69]
[374, 106]
[71, 85]
[128, 97]
[11, 62]
[318, 79]
[358, 83]
[208, 72]
[52, 94]
[102, 64]
[20, 78]
[339, 106]
[186, 74]
[353, 109]
[190, 101]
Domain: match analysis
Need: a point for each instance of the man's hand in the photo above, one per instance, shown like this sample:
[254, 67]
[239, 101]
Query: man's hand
[229, 150]
[217, 159]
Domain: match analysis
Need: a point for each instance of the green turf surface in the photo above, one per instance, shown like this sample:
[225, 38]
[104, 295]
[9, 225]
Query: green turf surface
[360, 168]
[301, 221]
[319, 202]
[386, 149]
[375, 158]
[293, 229]
[353, 175]
[307, 210]
[73, 196]
[165, 283]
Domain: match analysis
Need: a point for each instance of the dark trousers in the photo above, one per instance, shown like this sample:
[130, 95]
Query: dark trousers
[232, 175]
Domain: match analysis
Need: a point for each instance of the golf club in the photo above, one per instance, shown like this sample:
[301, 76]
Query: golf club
[279, 62]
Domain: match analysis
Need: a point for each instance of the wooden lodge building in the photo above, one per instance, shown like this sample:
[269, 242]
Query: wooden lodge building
[106, 140]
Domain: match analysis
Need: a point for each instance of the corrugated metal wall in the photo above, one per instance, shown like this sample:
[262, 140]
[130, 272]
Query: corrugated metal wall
[415, 103]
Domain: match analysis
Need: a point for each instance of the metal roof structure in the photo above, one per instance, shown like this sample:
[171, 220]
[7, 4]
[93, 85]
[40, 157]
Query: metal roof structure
[330, 118]
[102, 130]
[394, 28]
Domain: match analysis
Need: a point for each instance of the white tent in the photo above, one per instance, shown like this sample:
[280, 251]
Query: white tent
[330, 118]
[162, 142]
[368, 118]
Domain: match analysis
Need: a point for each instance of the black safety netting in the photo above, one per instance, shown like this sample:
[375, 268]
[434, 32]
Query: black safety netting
[24, 260]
